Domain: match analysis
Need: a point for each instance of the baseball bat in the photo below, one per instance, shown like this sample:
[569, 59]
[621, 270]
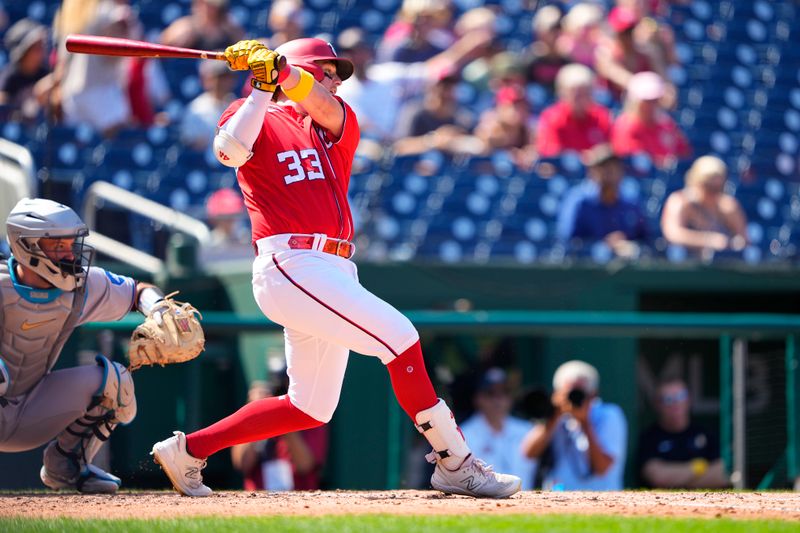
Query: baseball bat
[116, 46]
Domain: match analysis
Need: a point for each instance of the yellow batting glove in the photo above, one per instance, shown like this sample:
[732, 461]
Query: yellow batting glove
[266, 67]
[238, 53]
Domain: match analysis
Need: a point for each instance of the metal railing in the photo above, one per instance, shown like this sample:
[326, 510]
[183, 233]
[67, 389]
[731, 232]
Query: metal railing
[733, 330]
[173, 219]
[17, 177]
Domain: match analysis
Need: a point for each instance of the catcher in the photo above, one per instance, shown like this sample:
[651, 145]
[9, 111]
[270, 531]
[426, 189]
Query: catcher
[48, 288]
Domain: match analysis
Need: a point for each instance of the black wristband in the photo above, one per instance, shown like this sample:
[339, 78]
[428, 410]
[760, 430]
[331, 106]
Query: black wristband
[262, 86]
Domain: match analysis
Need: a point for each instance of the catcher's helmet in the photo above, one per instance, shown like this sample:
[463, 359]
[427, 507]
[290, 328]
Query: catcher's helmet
[305, 53]
[37, 218]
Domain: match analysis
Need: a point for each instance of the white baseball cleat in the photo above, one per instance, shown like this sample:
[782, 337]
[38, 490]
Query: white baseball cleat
[182, 469]
[90, 480]
[474, 478]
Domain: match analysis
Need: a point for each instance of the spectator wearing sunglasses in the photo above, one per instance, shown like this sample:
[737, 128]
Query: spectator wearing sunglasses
[676, 453]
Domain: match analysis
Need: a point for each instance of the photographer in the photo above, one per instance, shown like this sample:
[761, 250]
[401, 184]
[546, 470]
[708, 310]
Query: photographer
[587, 437]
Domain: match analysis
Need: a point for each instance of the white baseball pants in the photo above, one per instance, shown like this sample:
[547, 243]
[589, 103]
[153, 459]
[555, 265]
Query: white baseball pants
[325, 313]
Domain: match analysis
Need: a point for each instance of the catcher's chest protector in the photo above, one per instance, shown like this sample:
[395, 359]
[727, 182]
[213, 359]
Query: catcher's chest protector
[32, 334]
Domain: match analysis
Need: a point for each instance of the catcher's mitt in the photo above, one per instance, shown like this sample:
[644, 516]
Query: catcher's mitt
[171, 333]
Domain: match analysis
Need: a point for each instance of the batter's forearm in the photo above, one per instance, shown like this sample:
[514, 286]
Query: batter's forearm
[246, 122]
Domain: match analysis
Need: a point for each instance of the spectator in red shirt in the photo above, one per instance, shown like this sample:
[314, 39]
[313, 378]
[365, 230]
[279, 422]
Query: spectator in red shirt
[645, 127]
[576, 121]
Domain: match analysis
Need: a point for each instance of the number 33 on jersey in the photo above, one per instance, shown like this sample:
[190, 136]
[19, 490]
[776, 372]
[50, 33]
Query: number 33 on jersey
[297, 179]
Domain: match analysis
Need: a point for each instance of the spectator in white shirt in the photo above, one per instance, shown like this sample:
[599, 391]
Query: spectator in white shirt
[494, 434]
[202, 114]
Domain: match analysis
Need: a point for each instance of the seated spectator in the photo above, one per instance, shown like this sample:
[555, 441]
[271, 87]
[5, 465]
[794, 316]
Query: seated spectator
[420, 32]
[208, 27]
[675, 453]
[543, 58]
[618, 57]
[293, 461]
[508, 125]
[605, 216]
[202, 114]
[576, 121]
[377, 91]
[285, 22]
[230, 235]
[587, 437]
[94, 87]
[436, 123]
[581, 33]
[495, 432]
[652, 34]
[701, 216]
[644, 126]
[24, 81]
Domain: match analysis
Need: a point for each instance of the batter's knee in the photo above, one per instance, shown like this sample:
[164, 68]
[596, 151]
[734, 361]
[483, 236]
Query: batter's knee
[321, 411]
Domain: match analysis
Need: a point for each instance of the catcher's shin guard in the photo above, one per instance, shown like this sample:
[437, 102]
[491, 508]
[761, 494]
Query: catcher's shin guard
[438, 426]
[67, 459]
[116, 393]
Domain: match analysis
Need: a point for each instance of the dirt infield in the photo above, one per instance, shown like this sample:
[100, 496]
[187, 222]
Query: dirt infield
[751, 505]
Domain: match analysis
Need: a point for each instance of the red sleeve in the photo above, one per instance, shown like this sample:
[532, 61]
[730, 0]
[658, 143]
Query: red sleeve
[547, 140]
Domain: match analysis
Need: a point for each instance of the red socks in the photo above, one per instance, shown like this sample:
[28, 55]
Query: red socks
[258, 420]
[411, 383]
[275, 416]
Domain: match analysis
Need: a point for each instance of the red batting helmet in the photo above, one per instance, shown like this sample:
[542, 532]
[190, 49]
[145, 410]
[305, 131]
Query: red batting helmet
[304, 53]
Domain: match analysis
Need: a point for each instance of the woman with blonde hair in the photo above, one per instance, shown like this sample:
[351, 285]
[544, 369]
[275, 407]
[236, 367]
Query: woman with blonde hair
[701, 216]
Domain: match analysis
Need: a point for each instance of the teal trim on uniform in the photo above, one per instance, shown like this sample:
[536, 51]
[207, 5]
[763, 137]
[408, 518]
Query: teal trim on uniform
[103, 361]
[6, 375]
[30, 293]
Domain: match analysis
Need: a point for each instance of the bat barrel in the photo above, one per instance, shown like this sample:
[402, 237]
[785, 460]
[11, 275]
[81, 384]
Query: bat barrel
[114, 46]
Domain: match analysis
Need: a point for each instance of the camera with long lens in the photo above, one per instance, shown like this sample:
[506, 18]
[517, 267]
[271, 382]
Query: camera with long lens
[536, 404]
[576, 397]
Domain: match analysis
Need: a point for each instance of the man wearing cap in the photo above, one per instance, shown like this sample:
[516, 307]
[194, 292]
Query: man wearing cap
[576, 121]
[644, 126]
[603, 215]
[619, 58]
[230, 234]
[23, 81]
[494, 433]
[588, 437]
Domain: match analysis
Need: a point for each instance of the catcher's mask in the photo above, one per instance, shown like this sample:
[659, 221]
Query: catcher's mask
[307, 53]
[35, 219]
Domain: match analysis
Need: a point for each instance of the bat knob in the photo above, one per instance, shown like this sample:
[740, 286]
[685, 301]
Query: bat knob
[281, 63]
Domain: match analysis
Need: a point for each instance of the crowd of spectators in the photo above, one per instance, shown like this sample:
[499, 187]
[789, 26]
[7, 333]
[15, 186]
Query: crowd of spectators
[593, 73]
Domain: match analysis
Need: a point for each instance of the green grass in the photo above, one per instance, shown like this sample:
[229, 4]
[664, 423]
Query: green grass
[403, 524]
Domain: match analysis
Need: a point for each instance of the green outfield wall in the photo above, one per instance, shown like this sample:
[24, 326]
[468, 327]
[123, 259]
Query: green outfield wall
[197, 393]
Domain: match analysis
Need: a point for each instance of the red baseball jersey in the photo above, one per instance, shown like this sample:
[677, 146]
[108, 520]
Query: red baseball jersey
[297, 179]
[559, 130]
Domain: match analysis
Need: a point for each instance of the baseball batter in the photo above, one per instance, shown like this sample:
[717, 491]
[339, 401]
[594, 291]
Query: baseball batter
[292, 142]
[48, 288]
